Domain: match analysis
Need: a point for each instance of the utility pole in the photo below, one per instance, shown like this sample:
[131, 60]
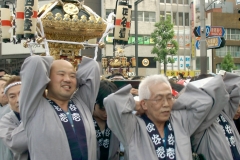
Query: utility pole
[203, 43]
[136, 33]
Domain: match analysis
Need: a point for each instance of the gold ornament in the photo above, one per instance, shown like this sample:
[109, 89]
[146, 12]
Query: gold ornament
[25, 45]
[145, 62]
[70, 8]
[39, 40]
[101, 45]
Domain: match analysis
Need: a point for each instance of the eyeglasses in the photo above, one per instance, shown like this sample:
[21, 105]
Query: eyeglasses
[162, 99]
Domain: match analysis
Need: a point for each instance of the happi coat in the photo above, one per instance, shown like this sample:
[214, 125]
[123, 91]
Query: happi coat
[5, 153]
[114, 150]
[214, 145]
[47, 139]
[188, 112]
[13, 135]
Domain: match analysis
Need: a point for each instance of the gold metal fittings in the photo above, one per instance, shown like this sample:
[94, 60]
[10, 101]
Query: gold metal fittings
[70, 8]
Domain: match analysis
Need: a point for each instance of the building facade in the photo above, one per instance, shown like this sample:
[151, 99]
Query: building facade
[150, 12]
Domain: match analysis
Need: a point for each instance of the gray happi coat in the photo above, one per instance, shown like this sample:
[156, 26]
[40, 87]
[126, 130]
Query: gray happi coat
[5, 153]
[14, 136]
[113, 148]
[188, 112]
[214, 145]
[47, 139]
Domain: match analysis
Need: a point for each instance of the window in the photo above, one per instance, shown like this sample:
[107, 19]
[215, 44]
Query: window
[174, 1]
[180, 1]
[161, 1]
[162, 15]
[168, 1]
[149, 17]
[174, 18]
[232, 34]
[108, 11]
[186, 19]
[186, 2]
[180, 16]
[233, 50]
[237, 65]
[140, 16]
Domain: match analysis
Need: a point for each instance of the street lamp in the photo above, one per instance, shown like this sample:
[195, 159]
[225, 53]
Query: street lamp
[136, 33]
[203, 46]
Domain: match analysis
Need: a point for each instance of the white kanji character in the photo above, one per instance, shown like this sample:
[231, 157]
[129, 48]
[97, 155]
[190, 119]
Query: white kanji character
[232, 141]
[106, 143]
[171, 139]
[169, 126]
[156, 139]
[63, 117]
[228, 129]
[57, 108]
[223, 119]
[150, 127]
[107, 132]
[72, 107]
[76, 117]
[100, 142]
[171, 153]
[98, 133]
[161, 152]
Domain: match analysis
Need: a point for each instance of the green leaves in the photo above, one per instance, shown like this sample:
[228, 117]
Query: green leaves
[164, 43]
[227, 63]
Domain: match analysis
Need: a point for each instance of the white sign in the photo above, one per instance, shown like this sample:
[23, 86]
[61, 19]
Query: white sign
[237, 2]
[181, 62]
[12, 49]
[175, 64]
[187, 61]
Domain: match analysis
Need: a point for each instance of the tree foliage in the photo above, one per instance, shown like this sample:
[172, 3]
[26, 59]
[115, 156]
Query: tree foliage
[164, 43]
[227, 63]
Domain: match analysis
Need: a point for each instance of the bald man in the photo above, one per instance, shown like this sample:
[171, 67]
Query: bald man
[59, 125]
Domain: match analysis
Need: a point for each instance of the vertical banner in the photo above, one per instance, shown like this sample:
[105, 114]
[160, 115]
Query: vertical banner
[122, 23]
[175, 64]
[6, 24]
[181, 62]
[19, 21]
[30, 18]
[187, 62]
[193, 48]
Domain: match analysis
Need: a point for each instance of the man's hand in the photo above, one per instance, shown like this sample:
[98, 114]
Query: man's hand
[134, 91]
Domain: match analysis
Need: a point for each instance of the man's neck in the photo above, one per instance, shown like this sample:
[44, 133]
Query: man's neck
[160, 128]
[101, 123]
[63, 104]
[2, 105]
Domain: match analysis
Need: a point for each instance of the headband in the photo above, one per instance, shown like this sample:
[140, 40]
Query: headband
[11, 85]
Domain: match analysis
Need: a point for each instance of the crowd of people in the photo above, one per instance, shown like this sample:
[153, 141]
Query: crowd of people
[53, 112]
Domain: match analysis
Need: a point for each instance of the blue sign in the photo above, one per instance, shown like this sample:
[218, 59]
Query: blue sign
[208, 28]
[197, 44]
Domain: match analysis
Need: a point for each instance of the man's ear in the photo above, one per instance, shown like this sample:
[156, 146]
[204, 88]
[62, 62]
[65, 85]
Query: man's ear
[143, 104]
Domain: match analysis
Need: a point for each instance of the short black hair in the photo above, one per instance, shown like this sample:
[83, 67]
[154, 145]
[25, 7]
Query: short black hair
[3, 70]
[106, 88]
[181, 75]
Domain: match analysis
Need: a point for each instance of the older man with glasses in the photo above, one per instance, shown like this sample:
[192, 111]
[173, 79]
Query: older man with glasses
[163, 130]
